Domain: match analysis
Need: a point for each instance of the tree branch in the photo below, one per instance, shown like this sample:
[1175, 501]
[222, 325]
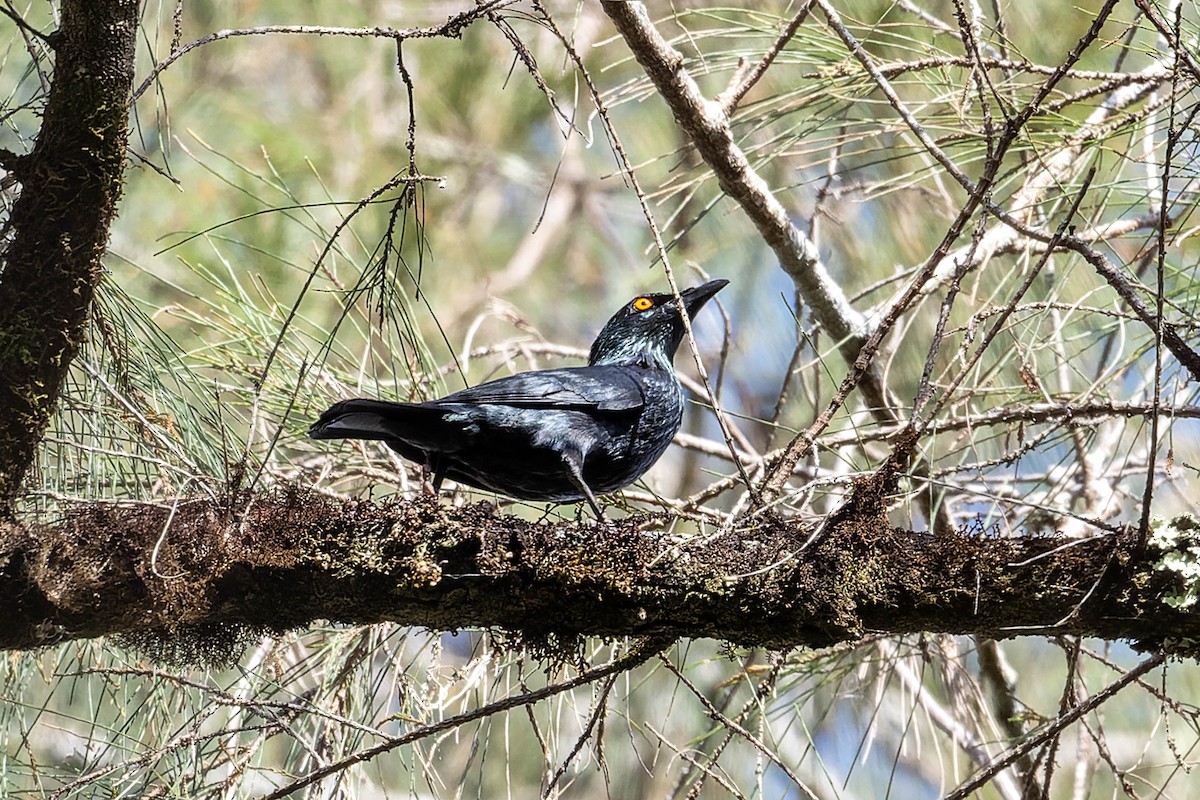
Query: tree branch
[282, 561]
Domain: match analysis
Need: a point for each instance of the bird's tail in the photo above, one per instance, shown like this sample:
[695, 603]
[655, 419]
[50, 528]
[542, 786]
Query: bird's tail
[369, 419]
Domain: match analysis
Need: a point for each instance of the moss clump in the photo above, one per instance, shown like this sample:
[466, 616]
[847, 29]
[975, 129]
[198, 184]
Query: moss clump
[217, 646]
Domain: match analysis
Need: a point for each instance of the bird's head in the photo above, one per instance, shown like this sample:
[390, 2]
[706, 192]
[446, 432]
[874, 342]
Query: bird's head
[649, 325]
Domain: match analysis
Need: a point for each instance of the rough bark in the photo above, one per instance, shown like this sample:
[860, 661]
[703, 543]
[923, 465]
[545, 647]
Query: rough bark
[58, 230]
[286, 560]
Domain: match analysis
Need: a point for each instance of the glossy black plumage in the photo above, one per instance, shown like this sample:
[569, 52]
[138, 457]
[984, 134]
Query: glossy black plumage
[558, 435]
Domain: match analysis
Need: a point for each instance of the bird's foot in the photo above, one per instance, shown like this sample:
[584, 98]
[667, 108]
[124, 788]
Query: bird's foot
[581, 515]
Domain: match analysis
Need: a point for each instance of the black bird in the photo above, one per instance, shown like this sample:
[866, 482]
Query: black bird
[557, 435]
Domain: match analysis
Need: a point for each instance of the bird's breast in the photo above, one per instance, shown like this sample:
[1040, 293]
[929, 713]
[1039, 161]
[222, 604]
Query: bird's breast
[634, 442]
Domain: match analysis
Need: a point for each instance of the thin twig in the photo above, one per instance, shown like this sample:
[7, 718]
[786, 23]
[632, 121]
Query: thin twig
[730, 725]
[1164, 202]
[744, 81]
[451, 28]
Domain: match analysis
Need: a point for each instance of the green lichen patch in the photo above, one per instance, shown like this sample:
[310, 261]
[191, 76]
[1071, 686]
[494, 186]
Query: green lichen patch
[1178, 543]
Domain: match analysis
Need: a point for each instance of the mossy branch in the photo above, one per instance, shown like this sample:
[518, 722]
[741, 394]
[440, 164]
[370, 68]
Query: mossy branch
[283, 561]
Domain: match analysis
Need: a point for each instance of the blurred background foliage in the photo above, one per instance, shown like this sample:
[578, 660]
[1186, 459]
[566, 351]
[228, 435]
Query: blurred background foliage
[244, 204]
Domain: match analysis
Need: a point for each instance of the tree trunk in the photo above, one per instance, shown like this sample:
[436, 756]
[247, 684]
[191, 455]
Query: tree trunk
[58, 230]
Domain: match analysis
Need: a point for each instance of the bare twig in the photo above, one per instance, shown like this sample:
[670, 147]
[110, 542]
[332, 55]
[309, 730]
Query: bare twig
[744, 80]
[451, 28]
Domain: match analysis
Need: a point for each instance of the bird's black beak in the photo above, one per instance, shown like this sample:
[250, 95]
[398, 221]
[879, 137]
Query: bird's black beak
[695, 298]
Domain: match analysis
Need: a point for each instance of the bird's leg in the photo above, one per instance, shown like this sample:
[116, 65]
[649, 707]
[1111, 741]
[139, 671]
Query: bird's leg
[439, 474]
[434, 467]
[574, 462]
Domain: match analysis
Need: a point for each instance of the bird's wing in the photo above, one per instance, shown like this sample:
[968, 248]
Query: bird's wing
[600, 388]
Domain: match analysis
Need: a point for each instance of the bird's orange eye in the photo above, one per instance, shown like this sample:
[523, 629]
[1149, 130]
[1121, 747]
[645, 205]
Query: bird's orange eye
[642, 303]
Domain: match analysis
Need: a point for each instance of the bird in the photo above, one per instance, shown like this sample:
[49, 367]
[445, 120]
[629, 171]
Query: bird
[557, 435]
